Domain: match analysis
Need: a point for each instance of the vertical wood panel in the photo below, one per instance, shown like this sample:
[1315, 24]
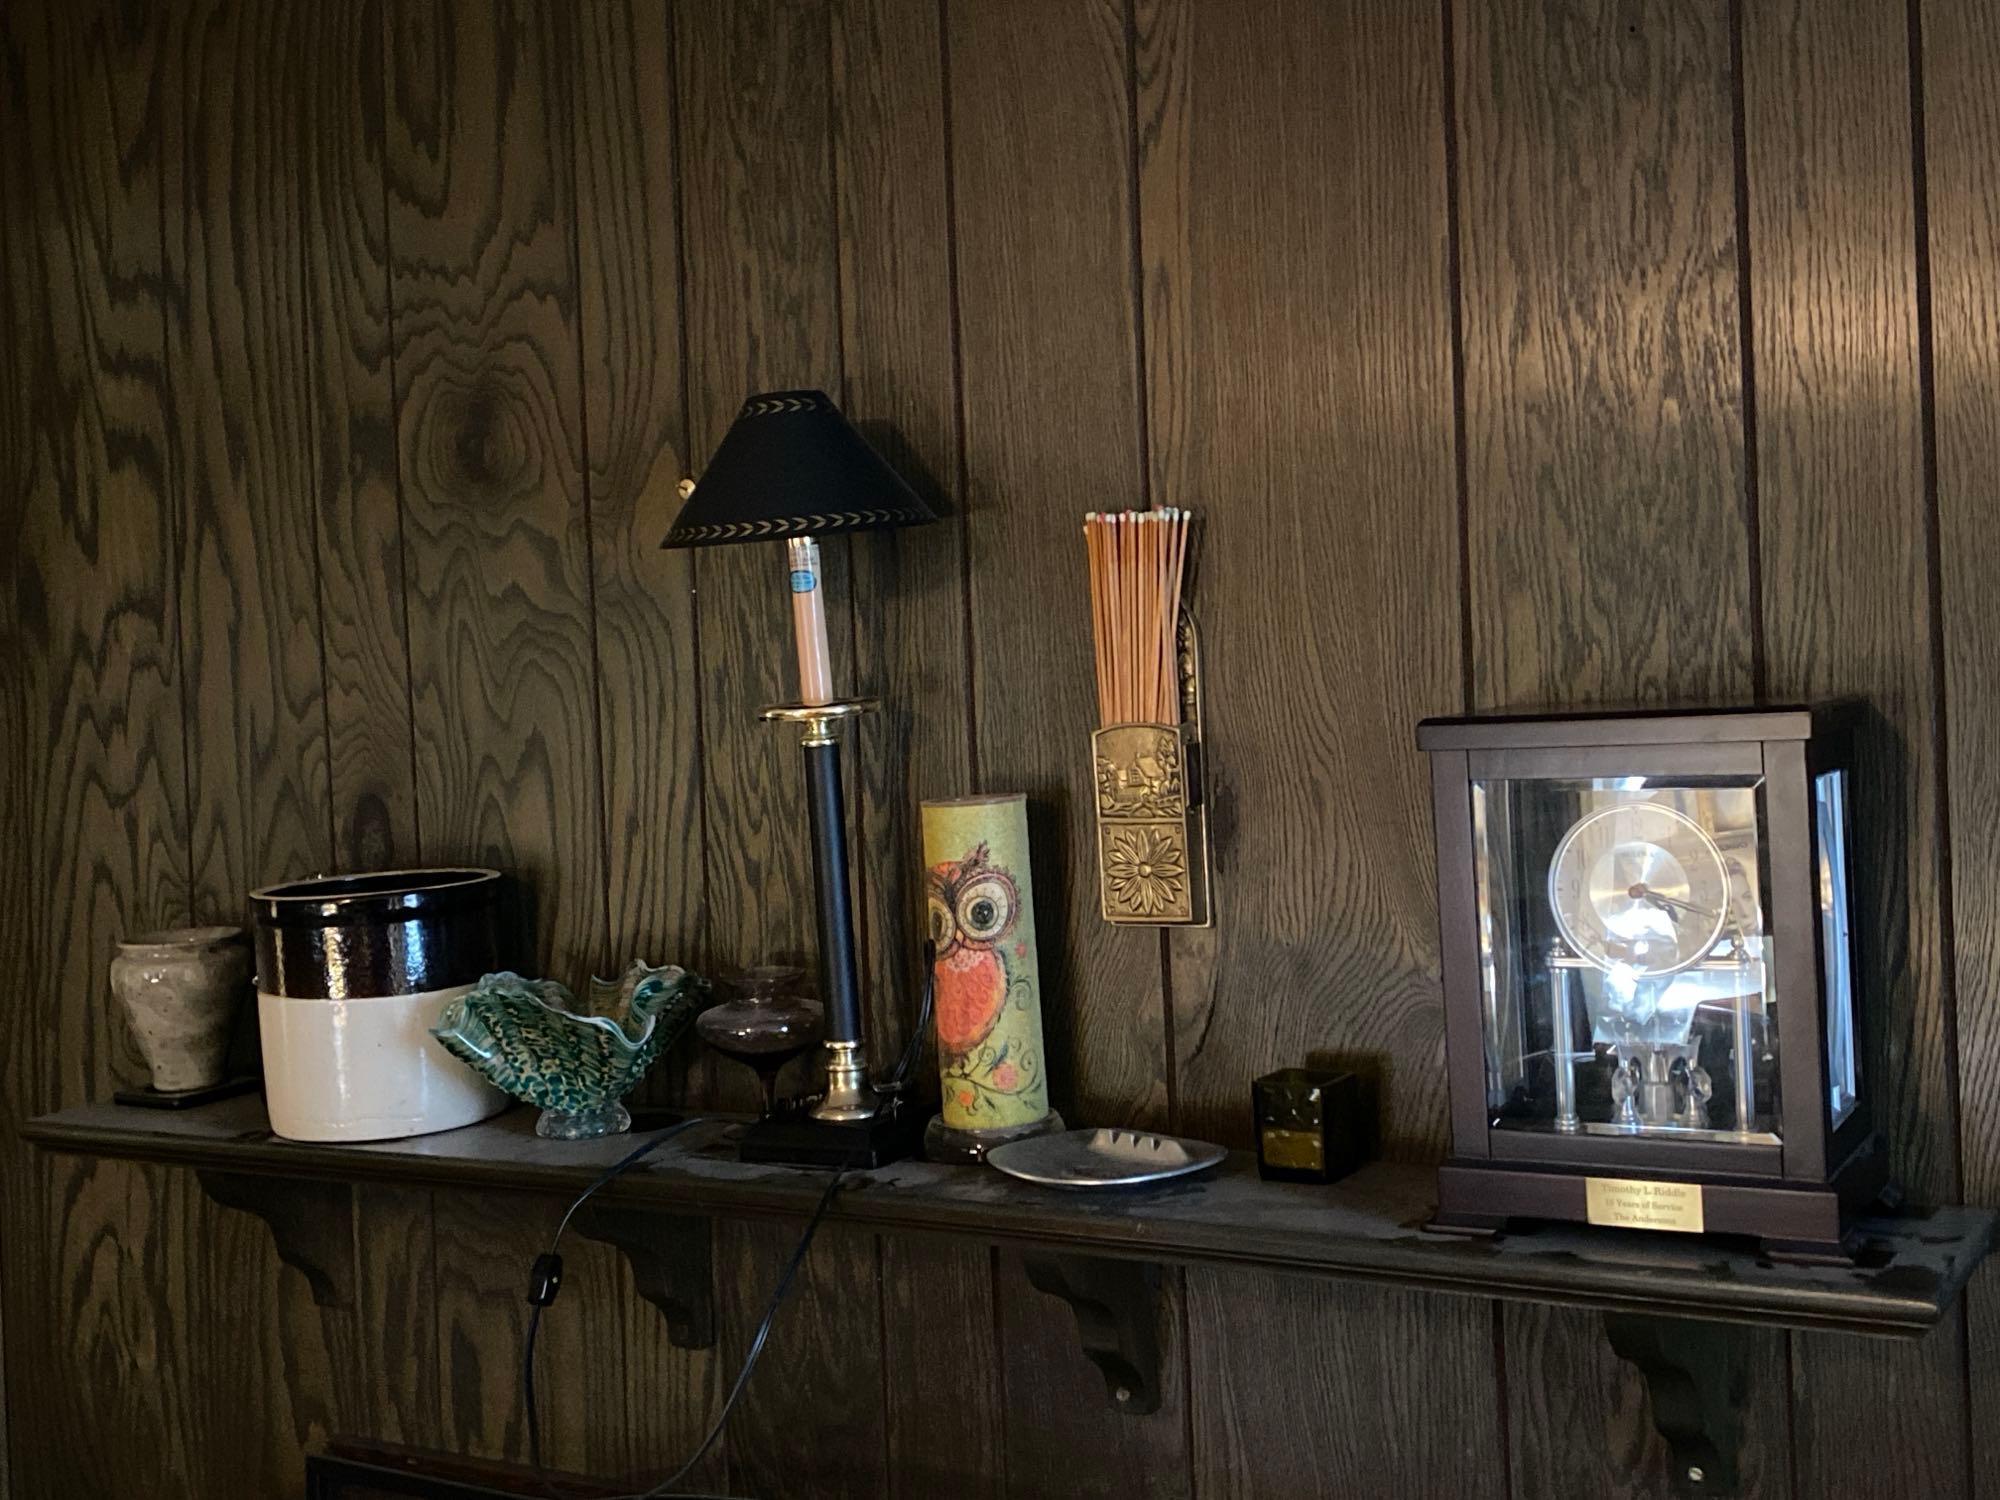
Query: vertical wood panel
[120, 1399]
[1064, 1434]
[396, 1313]
[943, 1427]
[1608, 541]
[1962, 130]
[628, 269]
[811, 1421]
[1872, 1419]
[1312, 1388]
[270, 1373]
[941, 1371]
[360, 539]
[1607, 527]
[1042, 162]
[491, 456]
[1847, 611]
[104, 845]
[644, 1402]
[489, 442]
[483, 1246]
[235, 227]
[1841, 473]
[282, 403]
[629, 274]
[761, 315]
[243, 235]
[1273, 138]
[1961, 99]
[17, 897]
[98, 600]
[899, 384]
[1293, 227]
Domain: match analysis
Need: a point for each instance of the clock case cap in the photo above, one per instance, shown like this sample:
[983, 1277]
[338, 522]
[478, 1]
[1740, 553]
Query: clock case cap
[1623, 727]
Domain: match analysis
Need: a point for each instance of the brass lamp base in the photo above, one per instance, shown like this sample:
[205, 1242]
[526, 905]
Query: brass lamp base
[849, 1095]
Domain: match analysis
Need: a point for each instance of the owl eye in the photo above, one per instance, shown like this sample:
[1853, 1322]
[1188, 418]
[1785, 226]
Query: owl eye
[986, 908]
[938, 919]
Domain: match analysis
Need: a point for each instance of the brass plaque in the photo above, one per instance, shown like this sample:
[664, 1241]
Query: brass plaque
[1632, 1203]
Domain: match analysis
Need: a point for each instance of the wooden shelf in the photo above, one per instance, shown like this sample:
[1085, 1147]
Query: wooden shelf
[1366, 1228]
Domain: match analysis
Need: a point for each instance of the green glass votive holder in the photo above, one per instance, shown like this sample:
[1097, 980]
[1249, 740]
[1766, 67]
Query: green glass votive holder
[1308, 1124]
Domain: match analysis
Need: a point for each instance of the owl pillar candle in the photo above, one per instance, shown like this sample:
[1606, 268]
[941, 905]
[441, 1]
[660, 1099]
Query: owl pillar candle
[987, 986]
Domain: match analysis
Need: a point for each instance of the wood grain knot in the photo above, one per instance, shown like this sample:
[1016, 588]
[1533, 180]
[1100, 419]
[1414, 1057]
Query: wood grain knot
[371, 839]
[477, 438]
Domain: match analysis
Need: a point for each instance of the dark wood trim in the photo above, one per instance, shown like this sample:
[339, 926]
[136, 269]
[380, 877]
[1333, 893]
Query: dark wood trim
[1368, 1227]
[351, 1468]
[1858, 1134]
[1801, 1219]
[1451, 794]
[1638, 1153]
[1794, 917]
[1734, 758]
[1586, 730]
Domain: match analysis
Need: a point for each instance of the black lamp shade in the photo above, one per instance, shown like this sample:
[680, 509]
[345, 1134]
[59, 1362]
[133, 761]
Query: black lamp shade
[792, 465]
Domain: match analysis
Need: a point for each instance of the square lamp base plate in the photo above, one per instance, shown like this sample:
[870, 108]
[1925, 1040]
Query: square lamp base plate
[801, 1141]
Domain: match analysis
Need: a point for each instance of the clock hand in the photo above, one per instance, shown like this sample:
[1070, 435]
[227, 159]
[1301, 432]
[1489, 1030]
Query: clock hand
[1654, 901]
[1686, 906]
[1667, 904]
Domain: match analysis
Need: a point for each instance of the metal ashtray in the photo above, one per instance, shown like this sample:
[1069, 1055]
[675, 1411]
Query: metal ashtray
[1103, 1158]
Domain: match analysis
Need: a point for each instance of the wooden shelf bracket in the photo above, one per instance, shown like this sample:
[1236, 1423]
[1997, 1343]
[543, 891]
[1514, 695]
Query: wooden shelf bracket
[672, 1258]
[1697, 1377]
[311, 1220]
[1117, 1307]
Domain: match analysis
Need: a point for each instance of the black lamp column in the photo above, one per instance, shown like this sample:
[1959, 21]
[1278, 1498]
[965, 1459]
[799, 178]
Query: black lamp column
[848, 1094]
[840, 987]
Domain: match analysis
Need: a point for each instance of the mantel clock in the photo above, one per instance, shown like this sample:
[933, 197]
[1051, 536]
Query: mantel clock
[1649, 973]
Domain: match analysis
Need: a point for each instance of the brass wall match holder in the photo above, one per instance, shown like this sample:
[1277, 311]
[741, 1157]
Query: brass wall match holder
[1152, 810]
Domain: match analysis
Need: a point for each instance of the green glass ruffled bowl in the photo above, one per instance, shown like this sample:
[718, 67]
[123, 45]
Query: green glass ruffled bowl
[531, 1039]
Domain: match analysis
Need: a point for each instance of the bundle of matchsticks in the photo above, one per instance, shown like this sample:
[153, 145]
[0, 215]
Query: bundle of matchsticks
[1137, 561]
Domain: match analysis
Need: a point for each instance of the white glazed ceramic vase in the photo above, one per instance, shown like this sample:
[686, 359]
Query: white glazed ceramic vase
[182, 990]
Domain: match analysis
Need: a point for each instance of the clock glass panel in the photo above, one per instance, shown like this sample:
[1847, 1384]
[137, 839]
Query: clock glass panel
[1625, 956]
[1836, 946]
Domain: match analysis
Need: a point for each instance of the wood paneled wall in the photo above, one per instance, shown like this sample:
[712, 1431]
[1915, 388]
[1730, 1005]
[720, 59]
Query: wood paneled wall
[1518, 352]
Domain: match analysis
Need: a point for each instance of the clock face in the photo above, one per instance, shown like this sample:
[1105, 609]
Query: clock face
[1640, 889]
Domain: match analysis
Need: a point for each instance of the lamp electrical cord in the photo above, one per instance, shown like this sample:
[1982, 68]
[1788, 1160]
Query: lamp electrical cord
[545, 1281]
[545, 1278]
[551, 1280]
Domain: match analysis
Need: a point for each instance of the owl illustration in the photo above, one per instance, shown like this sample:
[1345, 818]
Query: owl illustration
[973, 908]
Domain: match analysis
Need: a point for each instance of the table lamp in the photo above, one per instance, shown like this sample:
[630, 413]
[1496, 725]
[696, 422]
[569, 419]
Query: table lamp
[792, 468]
